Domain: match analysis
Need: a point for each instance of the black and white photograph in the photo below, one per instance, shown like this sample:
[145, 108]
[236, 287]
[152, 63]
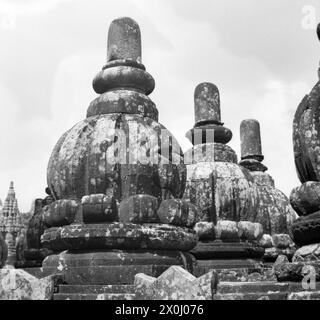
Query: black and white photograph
[160, 155]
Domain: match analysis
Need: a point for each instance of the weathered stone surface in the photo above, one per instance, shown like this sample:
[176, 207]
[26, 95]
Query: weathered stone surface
[210, 152]
[60, 213]
[36, 226]
[114, 267]
[305, 137]
[207, 104]
[305, 199]
[199, 190]
[251, 140]
[178, 213]
[205, 231]
[261, 178]
[21, 247]
[99, 145]
[3, 252]
[271, 289]
[227, 230]
[250, 231]
[176, 284]
[98, 208]
[243, 230]
[124, 40]
[233, 184]
[296, 271]
[123, 101]
[34, 253]
[119, 77]
[209, 133]
[139, 209]
[272, 296]
[306, 230]
[274, 211]
[309, 253]
[215, 183]
[281, 259]
[223, 191]
[312, 295]
[266, 241]
[271, 254]
[172, 177]
[119, 236]
[252, 287]
[16, 284]
[252, 273]
[89, 292]
[253, 165]
[224, 250]
[71, 259]
[101, 296]
[96, 289]
[282, 241]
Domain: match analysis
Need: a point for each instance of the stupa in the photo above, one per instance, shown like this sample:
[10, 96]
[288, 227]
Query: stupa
[117, 178]
[224, 191]
[305, 199]
[274, 211]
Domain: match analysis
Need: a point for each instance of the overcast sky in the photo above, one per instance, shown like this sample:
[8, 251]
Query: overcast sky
[257, 52]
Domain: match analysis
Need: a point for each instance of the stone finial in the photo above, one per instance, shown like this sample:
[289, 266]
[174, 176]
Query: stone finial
[124, 40]
[11, 191]
[250, 140]
[207, 104]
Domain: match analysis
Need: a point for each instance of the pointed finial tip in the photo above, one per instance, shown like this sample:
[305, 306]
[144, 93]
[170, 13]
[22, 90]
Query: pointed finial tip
[207, 103]
[206, 87]
[124, 40]
[125, 20]
[250, 122]
[250, 137]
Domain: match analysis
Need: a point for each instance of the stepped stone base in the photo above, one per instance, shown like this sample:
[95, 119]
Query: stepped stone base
[121, 236]
[91, 292]
[114, 267]
[109, 296]
[237, 274]
[227, 250]
[263, 290]
[251, 296]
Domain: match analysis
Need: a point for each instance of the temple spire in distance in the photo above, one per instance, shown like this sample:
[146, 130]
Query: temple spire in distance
[11, 215]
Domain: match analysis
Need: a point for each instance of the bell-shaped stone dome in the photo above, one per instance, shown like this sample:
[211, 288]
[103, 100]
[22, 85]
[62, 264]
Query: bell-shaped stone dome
[221, 188]
[117, 149]
[274, 211]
